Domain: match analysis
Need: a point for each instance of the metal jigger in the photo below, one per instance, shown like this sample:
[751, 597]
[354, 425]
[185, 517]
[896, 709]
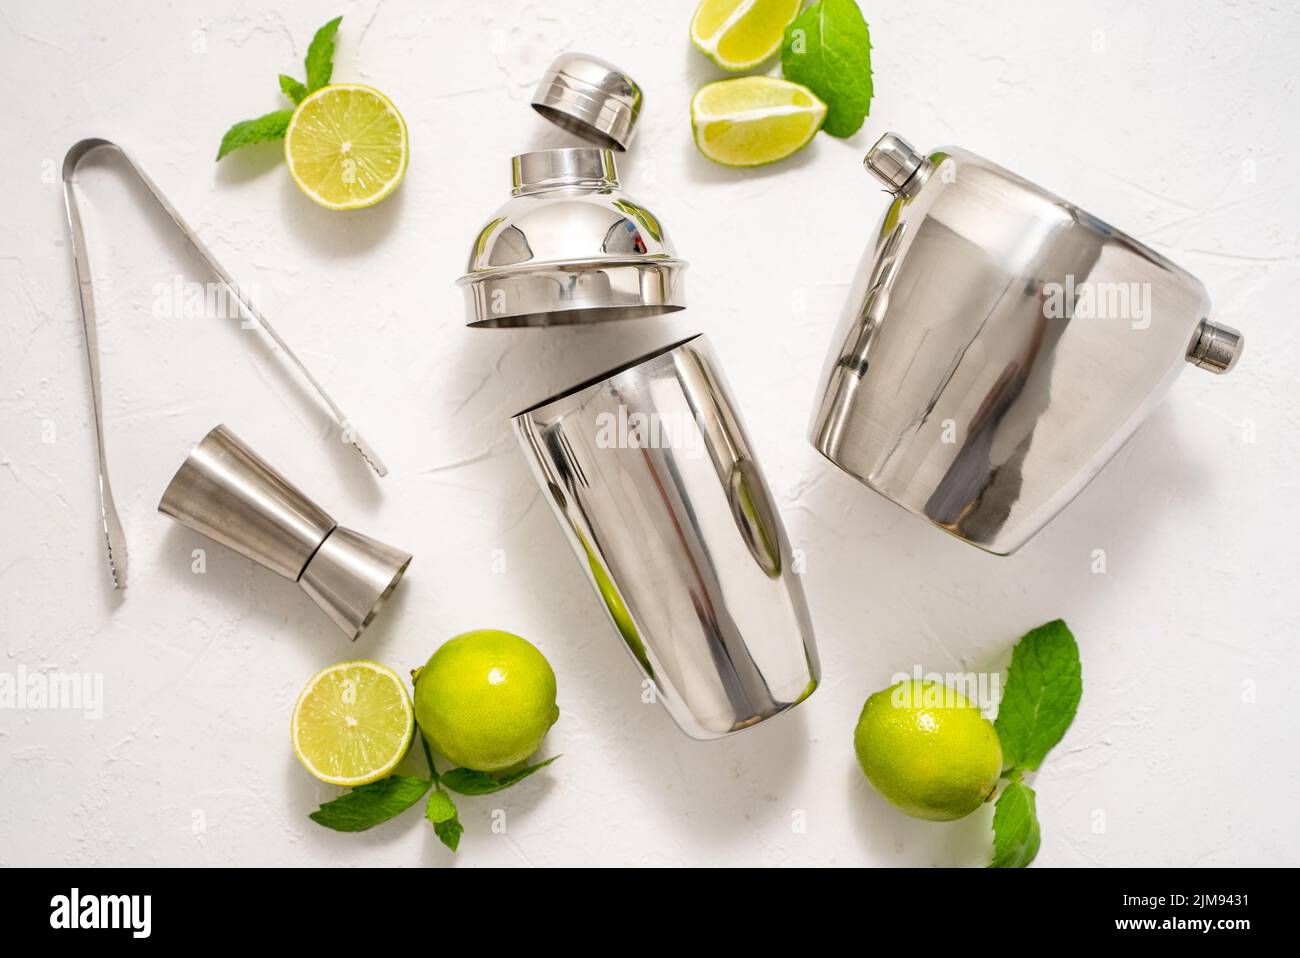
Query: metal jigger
[229, 493]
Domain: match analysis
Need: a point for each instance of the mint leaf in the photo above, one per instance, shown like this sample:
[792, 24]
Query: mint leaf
[469, 782]
[368, 805]
[828, 49]
[269, 127]
[1016, 837]
[441, 811]
[291, 88]
[1044, 684]
[320, 56]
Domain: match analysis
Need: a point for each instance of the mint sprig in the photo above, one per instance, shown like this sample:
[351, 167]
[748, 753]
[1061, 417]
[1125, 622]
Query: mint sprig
[1016, 835]
[1043, 688]
[366, 806]
[294, 90]
[320, 56]
[827, 48]
[1044, 685]
[272, 126]
[268, 127]
[441, 811]
[469, 782]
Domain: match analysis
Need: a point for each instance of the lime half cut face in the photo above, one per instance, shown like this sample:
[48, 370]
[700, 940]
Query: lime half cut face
[353, 723]
[346, 146]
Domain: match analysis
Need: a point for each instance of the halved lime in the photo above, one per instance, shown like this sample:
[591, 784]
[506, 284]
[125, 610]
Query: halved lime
[353, 723]
[346, 146]
[739, 34]
[749, 121]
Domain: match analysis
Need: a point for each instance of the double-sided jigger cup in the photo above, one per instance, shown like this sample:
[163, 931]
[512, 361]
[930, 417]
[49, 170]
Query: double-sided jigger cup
[998, 346]
[652, 477]
[227, 492]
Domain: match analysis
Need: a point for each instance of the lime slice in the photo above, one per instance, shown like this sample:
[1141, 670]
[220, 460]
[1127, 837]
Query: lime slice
[346, 146]
[749, 121]
[352, 723]
[739, 34]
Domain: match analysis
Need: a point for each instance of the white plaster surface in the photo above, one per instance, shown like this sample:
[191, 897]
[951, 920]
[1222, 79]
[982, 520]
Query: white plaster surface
[1175, 120]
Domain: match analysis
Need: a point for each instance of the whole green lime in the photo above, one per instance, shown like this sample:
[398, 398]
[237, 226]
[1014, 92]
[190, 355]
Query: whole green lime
[927, 749]
[486, 699]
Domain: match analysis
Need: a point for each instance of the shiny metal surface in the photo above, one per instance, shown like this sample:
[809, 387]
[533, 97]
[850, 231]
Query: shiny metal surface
[969, 382]
[590, 97]
[115, 538]
[230, 494]
[570, 247]
[894, 162]
[351, 576]
[650, 473]
[1216, 347]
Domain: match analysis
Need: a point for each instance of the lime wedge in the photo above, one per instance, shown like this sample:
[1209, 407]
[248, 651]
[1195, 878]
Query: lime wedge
[749, 121]
[352, 723]
[346, 146]
[739, 34]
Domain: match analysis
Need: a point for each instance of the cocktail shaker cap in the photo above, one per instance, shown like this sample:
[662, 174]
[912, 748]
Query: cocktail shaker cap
[568, 247]
[590, 97]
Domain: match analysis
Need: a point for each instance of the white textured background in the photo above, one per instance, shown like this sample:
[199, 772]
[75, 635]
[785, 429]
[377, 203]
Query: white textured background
[1174, 120]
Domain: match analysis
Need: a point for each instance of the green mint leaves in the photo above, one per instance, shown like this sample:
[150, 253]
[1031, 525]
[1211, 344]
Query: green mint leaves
[468, 782]
[828, 49]
[441, 811]
[1043, 689]
[269, 127]
[1015, 827]
[1044, 684]
[368, 805]
[291, 88]
[320, 56]
[320, 67]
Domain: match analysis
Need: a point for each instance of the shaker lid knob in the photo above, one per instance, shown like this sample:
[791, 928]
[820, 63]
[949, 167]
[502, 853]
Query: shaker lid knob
[893, 161]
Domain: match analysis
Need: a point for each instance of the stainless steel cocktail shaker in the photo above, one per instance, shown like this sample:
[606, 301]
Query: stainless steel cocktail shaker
[650, 473]
[998, 346]
[646, 467]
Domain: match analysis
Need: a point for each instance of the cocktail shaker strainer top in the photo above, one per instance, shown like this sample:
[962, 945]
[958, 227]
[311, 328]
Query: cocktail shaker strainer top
[570, 247]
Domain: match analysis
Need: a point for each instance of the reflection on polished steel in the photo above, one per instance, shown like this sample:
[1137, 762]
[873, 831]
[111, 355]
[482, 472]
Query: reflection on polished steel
[652, 477]
[590, 97]
[999, 345]
[227, 492]
[570, 247]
